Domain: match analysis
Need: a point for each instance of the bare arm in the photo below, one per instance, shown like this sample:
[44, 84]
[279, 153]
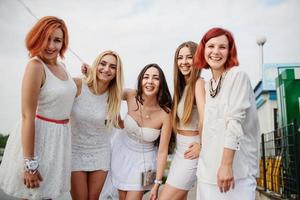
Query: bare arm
[200, 101]
[78, 83]
[162, 155]
[32, 82]
[31, 85]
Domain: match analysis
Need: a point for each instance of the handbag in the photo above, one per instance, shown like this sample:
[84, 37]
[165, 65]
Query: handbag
[147, 176]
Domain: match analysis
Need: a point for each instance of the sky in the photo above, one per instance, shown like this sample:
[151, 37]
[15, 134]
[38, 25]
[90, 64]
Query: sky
[143, 32]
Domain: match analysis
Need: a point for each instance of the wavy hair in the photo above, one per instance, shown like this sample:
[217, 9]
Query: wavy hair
[163, 97]
[232, 60]
[37, 38]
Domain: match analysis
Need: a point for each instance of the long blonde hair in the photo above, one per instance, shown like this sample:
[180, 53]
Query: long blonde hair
[179, 85]
[115, 87]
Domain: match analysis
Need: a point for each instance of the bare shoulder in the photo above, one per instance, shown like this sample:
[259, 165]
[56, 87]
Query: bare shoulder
[78, 82]
[129, 94]
[200, 87]
[200, 82]
[166, 116]
[35, 65]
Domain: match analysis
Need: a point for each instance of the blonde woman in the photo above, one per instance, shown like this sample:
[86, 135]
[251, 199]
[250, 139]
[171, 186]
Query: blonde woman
[187, 117]
[95, 112]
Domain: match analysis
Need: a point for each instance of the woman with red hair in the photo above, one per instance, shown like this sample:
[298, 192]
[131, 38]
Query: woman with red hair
[37, 160]
[228, 161]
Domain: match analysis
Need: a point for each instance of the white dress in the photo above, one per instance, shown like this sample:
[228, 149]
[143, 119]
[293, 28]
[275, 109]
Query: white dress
[133, 152]
[52, 144]
[90, 135]
[182, 173]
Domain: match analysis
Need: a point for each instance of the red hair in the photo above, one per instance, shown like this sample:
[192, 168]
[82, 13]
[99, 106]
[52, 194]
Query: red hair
[37, 38]
[199, 60]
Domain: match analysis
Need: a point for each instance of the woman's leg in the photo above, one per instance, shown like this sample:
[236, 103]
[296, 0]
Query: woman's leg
[96, 181]
[134, 195]
[122, 194]
[169, 192]
[79, 187]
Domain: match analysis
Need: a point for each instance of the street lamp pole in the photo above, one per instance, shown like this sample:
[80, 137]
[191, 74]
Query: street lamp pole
[261, 41]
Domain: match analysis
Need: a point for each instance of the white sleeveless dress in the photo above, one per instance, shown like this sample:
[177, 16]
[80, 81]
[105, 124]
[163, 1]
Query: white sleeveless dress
[133, 152]
[52, 144]
[91, 147]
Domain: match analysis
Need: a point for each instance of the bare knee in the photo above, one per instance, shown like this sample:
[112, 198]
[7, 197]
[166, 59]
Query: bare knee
[171, 193]
[122, 195]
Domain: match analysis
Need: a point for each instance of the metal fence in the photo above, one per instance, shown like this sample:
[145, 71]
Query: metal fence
[280, 161]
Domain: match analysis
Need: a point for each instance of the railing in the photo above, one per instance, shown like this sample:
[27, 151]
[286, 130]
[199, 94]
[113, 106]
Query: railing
[280, 162]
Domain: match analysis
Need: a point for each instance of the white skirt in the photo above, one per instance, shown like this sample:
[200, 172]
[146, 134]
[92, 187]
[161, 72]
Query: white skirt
[53, 147]
[93, 158]
[182, 174]
[129, 159]
[243, 189]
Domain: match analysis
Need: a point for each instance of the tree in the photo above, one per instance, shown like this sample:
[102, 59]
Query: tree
[3, 140]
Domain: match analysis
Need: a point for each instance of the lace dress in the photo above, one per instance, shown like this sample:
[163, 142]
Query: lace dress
[52, 144]
[90, 135]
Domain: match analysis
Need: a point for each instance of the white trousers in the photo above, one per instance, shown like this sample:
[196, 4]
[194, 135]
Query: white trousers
[244, 189]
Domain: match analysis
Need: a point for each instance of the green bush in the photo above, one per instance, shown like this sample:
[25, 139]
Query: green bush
[3, 140]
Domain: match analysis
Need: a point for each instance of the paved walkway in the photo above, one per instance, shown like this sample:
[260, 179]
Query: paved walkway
[191, 196]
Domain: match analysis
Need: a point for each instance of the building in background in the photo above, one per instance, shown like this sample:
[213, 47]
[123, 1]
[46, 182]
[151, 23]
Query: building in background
[278, 104]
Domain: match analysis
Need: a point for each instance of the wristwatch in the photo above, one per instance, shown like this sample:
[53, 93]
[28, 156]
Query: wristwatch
[31, 165]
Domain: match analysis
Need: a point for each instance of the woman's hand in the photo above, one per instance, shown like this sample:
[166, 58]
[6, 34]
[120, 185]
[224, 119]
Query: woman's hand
[193, 151]
[85, 69]
[154, 192]
[225, 179]
[32, 180]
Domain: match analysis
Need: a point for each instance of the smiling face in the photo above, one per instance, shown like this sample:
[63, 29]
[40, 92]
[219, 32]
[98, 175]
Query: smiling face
[54, 45]
[185, 61]
[106, 69]
[216, 52]
[151, 82]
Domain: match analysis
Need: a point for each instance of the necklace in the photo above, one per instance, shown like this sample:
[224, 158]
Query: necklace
[213, 92]
[146, 115]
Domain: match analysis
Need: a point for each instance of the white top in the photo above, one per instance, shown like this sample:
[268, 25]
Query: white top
[90, 134]
[230, 121]
[192, 125]
[52, 98]
[140, 134]
[88, 117]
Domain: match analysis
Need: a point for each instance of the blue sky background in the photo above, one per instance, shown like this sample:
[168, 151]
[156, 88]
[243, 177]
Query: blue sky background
[142, 32]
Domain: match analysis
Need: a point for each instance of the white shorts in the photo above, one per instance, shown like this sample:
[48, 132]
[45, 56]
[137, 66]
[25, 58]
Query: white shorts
[244, 189]
[182, 174]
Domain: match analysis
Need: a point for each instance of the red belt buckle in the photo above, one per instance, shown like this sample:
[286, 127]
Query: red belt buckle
[63, 121]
